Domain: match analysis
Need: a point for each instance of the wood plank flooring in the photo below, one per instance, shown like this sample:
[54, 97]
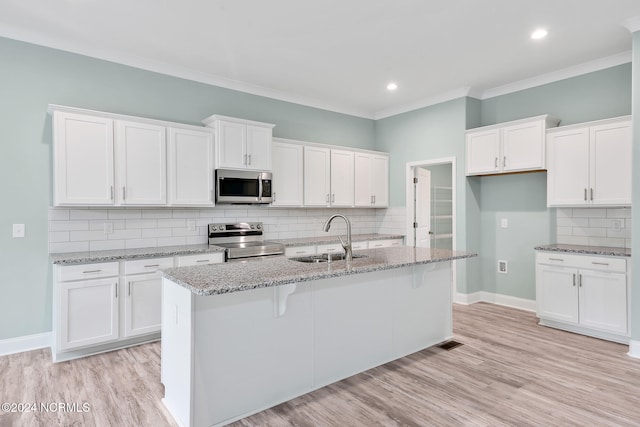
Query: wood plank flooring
[508, 372]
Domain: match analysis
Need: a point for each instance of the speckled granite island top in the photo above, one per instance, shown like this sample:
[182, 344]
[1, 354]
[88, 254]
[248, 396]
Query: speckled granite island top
[587, 250]
[122, 254]
[274, 271]
[324, 240]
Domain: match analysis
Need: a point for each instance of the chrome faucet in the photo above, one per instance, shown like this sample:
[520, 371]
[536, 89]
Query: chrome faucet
[348, 252]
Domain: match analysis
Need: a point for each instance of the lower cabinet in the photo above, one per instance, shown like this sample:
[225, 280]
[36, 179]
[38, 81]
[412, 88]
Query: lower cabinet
[583, 294]
[104, 306]
[296, 251]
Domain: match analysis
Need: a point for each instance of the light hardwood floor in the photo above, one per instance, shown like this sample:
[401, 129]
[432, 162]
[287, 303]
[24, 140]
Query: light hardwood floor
[509, 371]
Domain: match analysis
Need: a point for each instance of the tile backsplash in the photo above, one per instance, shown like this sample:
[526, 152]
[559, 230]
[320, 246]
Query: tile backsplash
[83, 229]
[594, 226]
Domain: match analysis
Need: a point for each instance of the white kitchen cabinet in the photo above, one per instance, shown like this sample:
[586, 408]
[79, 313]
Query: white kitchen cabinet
[384, 243]
[141, 164]
[342, 178]
[82, 159]
[85, 305]
[317, 176]
[296, 251]
[508, 147]
[142, 295]
[190, 167]
[590, 164]
[584, 294]
[287, 183]
[241, 144]
[200, 259]
[371, 177]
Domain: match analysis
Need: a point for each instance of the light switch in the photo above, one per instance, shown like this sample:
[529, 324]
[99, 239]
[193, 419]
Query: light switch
[191, 224]
[18, 230]
[504, 223]
[108, 228]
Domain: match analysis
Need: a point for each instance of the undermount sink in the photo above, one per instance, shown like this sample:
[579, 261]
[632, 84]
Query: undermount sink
[325, 258]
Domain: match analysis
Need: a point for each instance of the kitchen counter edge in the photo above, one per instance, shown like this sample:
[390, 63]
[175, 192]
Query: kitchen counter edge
[587, 250]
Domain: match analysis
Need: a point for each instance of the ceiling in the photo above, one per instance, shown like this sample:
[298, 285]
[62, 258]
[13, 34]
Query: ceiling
[339, 54]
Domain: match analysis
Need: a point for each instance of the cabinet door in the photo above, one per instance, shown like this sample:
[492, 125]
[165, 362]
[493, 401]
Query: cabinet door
[231, 144]
[380, 181]
[141, 164]
[190, 168]
[568, 167]
[363, 192]
[143, 301]
[317, 176]
[287, 174]
[557, 293]
[523, 147]
[603, 301]
[483, 152]
[88, 312]
[258, 148]
[610, 164]
[83, 160]
[342, 176]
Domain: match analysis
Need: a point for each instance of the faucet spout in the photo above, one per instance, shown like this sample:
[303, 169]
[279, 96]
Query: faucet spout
[348, 251]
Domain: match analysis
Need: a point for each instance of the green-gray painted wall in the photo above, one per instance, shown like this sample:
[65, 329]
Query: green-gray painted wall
[31, 77]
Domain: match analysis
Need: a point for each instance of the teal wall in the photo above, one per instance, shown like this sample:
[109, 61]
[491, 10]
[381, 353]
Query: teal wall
[635, 220]
[31, 77]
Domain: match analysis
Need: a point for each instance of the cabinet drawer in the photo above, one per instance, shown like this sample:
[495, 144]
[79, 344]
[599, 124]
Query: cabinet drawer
[200, 259]
[150, 265]
[300, 251]
[325, 249]
[87, 271]
[583, 261]
[384, 243]
[358, 246]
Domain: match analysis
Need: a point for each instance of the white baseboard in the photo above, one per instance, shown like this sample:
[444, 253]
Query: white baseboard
[25, 343]
[499, 299]
[634, 349]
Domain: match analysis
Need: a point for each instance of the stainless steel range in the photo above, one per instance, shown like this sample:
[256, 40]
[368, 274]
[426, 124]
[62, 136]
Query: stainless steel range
[243, 240]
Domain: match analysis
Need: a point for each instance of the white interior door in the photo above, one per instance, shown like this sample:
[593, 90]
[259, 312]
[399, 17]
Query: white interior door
[423, 208]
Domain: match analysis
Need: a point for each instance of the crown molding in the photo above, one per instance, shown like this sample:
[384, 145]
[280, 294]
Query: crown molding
[427, 102]
[176, 71]
[632, 24]
[554, 76]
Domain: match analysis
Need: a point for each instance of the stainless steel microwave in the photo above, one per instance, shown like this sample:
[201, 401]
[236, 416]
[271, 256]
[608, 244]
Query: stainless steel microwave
[243, 187]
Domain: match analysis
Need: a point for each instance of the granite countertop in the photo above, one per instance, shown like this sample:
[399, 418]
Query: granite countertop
[274, 271]
[590, 250]
[123, 254]
[325, 240]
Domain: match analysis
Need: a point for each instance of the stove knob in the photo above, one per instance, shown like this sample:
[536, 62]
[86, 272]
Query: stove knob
[253, 226]
[259, 226]
[214, 228]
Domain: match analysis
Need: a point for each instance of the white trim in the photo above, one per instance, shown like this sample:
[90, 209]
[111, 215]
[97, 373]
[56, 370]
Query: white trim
[498, 299]
[425, 102]
[25, 343]
[554, 76]
[634, 349]
[632, 24]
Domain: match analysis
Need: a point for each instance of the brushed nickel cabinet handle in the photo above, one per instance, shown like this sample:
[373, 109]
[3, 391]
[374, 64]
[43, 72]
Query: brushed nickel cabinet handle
[504, 162]
[374, 200]
[202, 260]
[574, 279]
[495, 163]
[333, 198]
[124, 193]
[116, 290]
[599, 263]
[249, 159]
[592, 194]
[129, 289]
[152, 265]
[274, 197]
[580, 280]
[585, 194]
[327, 198]
[91, 271]
[111, 193]
[556, 259]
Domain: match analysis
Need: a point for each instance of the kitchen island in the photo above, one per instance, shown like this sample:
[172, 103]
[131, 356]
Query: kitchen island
[238, 338]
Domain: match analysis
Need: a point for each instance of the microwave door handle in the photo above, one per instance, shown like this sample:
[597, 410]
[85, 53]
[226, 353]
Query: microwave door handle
[259, 189]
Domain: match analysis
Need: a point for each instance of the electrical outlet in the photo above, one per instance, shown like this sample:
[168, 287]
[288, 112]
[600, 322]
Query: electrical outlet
[191, 224]
[108, 228]
[617, 224]
[18, 230]
[504, 223]
[502, 266]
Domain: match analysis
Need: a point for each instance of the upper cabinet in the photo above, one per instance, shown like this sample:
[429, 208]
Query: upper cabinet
[114, 160]
[317, 176]
[508, 147]
[590, 164]
[371, 180]
[342, 178]
[241, 144]
[287, 180]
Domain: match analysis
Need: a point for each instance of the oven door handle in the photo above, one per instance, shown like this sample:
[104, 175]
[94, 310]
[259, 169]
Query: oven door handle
[259, 188]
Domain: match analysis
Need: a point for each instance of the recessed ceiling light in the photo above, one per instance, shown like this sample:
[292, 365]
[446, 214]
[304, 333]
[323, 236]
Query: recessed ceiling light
[392, 86]
[538, 34]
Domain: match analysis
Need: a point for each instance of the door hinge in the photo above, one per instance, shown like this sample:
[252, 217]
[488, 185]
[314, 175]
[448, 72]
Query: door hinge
[415, 225]
[415, 180]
